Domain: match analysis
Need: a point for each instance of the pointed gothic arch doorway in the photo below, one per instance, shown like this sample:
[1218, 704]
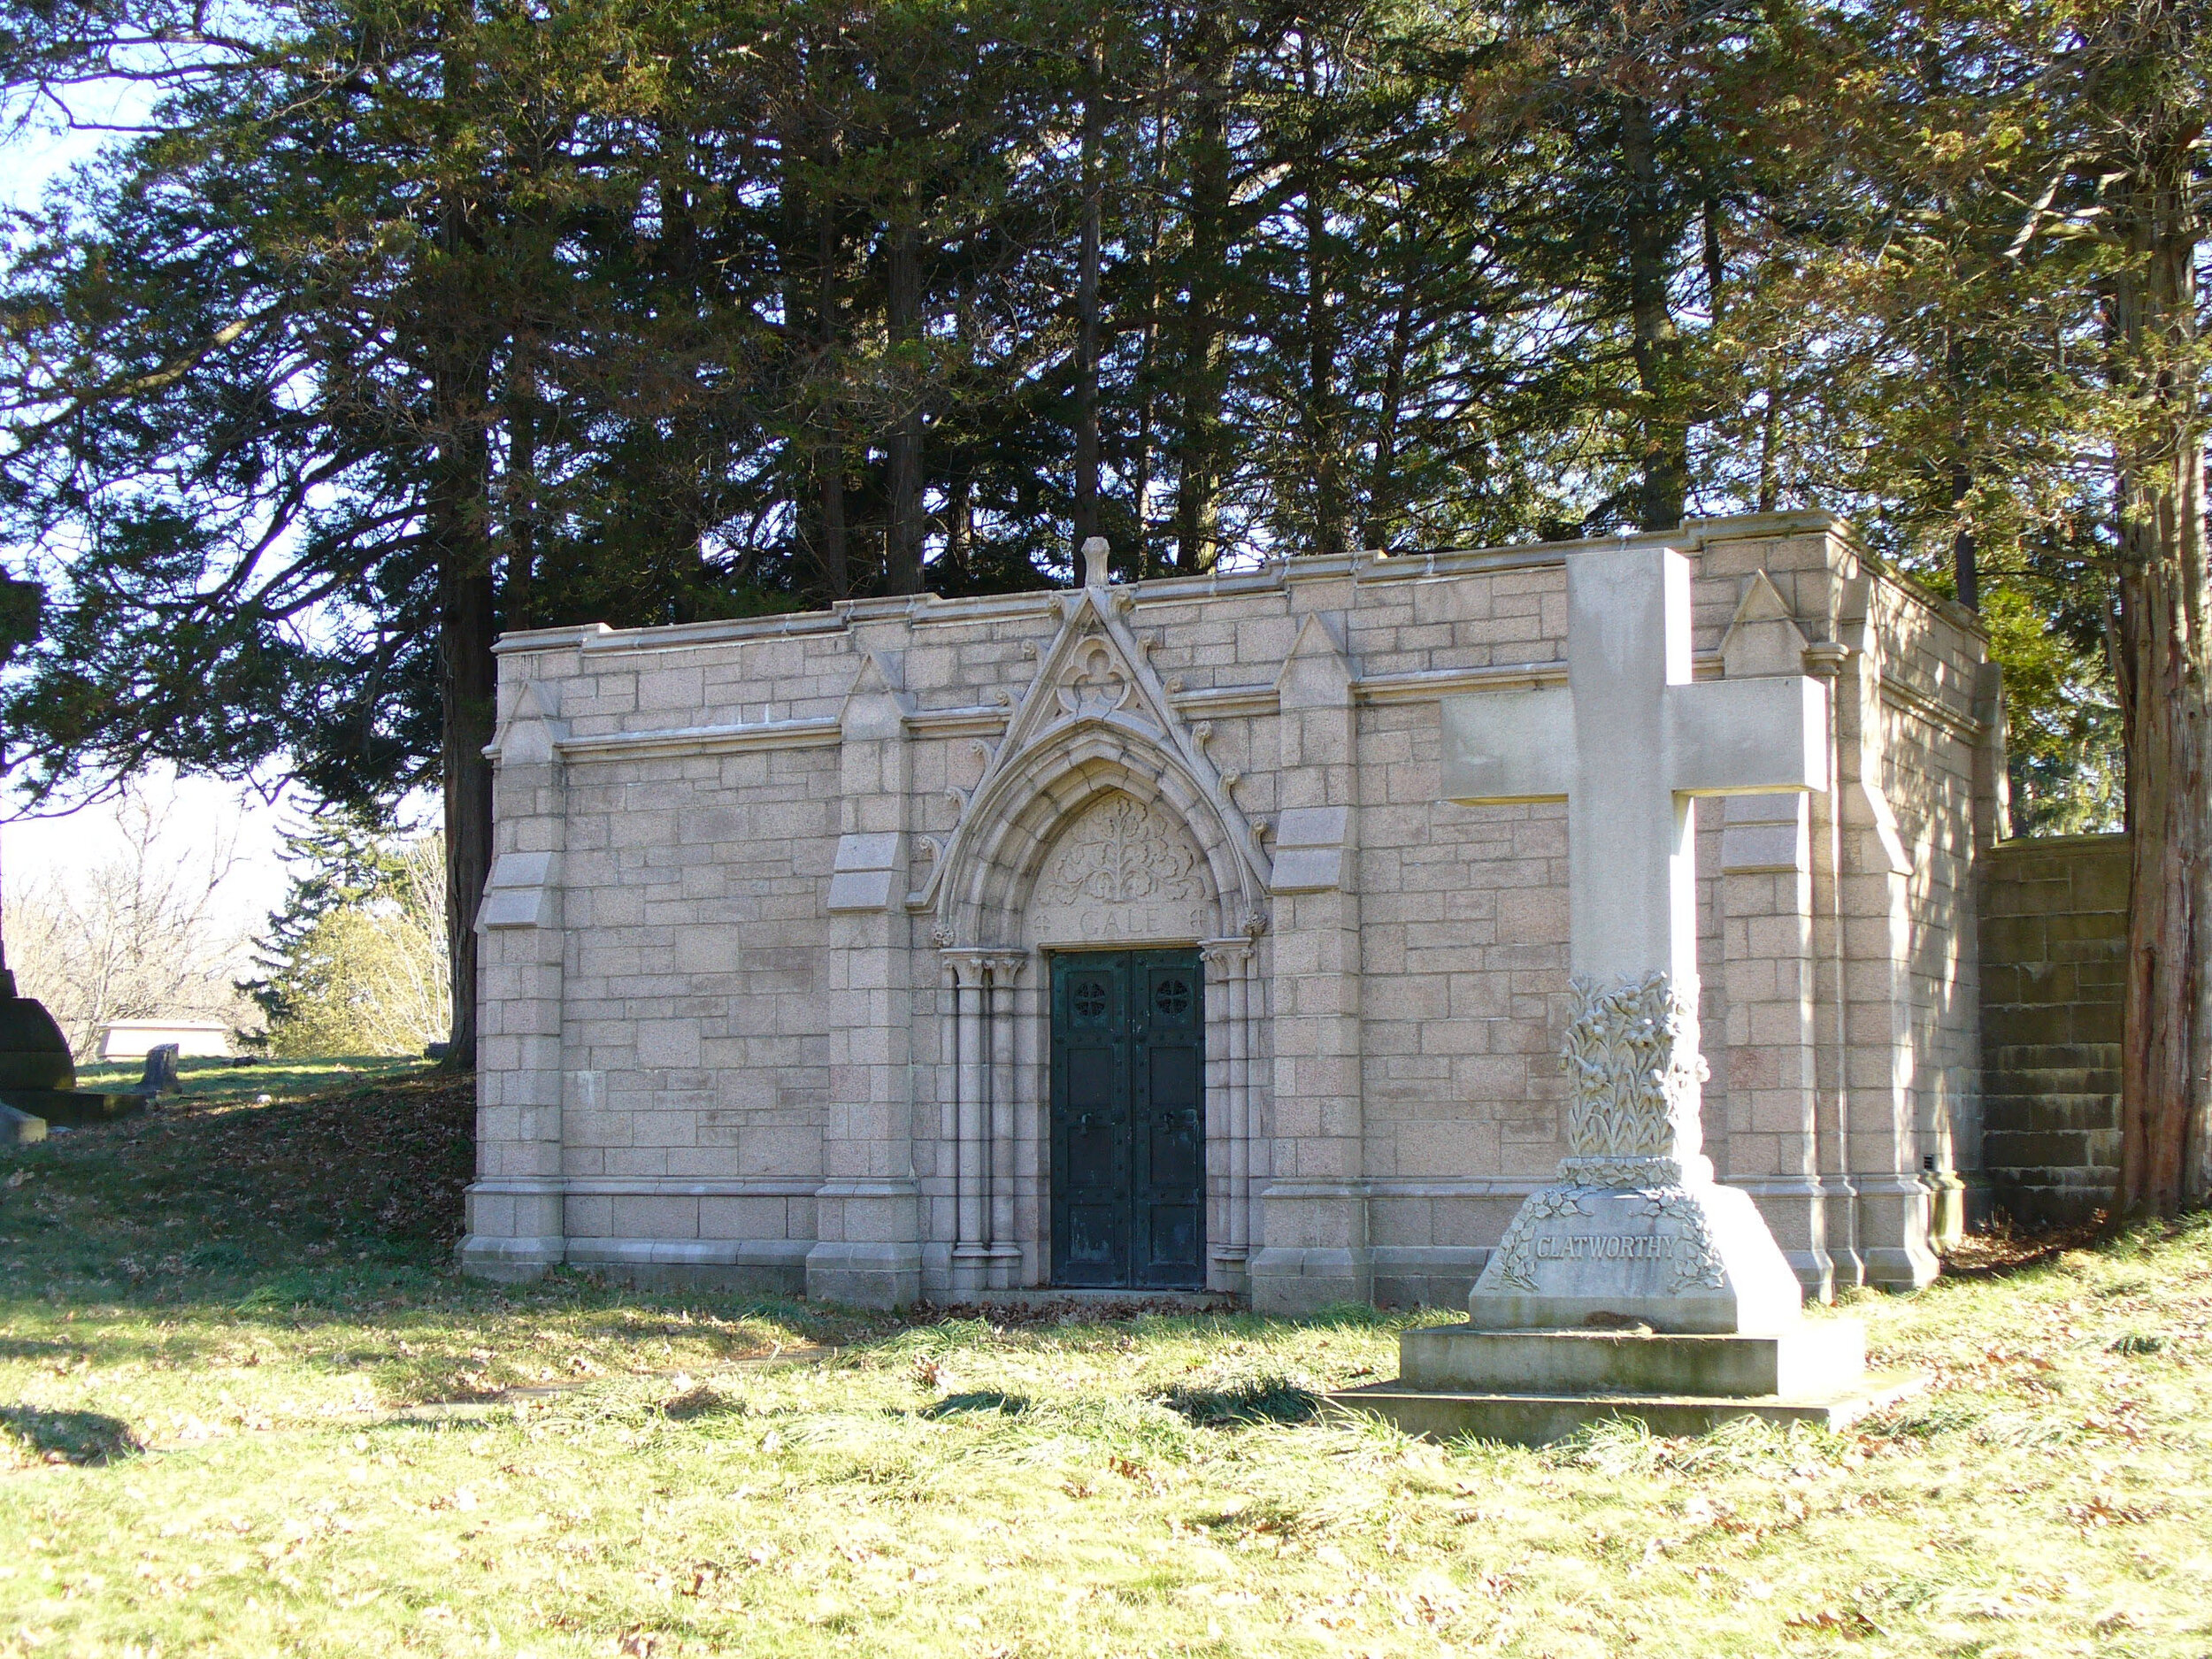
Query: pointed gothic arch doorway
[1128, 1119]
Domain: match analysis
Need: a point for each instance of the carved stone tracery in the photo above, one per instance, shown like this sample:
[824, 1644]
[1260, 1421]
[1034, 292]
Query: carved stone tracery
[1121, 871]
[1093, 686]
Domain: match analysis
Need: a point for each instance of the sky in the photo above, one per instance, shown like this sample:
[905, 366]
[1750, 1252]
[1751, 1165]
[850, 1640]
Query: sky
[200, 815]
[200, 819]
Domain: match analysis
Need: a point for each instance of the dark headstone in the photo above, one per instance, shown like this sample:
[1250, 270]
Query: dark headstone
[437, 1051]
[34, 1054]
[38, 1080]
[161, 1071]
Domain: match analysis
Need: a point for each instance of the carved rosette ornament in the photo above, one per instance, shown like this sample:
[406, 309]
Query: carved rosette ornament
[1635, 1229]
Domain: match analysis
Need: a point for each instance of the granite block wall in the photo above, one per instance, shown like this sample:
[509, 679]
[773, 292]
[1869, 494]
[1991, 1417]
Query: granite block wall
[2053, 944]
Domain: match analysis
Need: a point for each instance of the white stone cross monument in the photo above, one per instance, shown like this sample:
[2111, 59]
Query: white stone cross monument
[1636, 1231]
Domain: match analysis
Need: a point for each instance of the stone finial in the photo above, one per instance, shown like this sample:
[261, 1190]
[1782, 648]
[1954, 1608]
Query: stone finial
[1094, 555]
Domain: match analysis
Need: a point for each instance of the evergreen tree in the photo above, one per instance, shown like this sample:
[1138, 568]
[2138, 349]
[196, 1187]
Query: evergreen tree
[354, 960]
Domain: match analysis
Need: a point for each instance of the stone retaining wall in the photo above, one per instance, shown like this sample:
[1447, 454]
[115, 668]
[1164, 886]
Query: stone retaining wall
[2054, 938]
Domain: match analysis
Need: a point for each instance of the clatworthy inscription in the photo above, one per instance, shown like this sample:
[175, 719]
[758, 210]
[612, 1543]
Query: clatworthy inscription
[1605, 1247]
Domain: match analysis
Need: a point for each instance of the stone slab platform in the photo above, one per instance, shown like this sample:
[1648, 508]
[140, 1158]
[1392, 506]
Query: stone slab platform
[72, 1109]
[1814, 1360]
[1526, 1419]
[1115, 1304]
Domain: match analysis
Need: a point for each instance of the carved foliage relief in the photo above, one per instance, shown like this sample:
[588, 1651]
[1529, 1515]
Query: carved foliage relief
[1632, 1070]
[1121, 871]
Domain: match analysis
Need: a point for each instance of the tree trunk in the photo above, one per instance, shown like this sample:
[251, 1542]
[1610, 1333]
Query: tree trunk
[1662, 437]
[1149, 352]
[519, 488]
[1202, 382]
[2166, 638]
[1966, 577]
[903, 549]
[1087, 331]
[829, 450]
[1965, 546]
[468, 684]
[1382, 486]
[457, 515]
[1320, 412]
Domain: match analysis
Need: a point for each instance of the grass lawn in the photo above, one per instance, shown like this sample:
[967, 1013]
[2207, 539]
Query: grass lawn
[246, 1408]
[209, 1081]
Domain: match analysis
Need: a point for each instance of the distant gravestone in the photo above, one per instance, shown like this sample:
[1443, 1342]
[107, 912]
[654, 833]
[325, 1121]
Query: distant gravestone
[161, 1071]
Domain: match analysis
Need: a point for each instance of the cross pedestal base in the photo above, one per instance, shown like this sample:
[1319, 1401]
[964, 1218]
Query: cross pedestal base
[1530, 1387]
[1675, 1251]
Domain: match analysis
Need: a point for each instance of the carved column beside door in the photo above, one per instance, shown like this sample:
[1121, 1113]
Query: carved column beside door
[1004, 1258]
[986, 1255]
[1232, 1014]
[971, 1070]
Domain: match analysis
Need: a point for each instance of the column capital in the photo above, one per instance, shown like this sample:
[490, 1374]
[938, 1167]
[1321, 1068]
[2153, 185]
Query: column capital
[968, 963]
[1826, 658]
[1005, 965]
[1233, 954]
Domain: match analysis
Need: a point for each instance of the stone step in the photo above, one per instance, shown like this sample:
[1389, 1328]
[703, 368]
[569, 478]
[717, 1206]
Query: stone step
[2032, 1113]
[2096, 1024]
[1111, 1303]
[2050, 1148]
[1530, 1419]
[2050, 1080]
[2097, 1056]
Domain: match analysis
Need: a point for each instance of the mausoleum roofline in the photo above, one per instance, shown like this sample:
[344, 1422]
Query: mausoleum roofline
[1359, 568]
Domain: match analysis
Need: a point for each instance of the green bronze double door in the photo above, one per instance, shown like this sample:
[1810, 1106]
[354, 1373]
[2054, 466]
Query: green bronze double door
[1128, 1121]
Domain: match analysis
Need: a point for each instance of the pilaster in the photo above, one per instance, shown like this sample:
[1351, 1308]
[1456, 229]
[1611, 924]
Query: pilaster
[516, 1226]
[1769, 967]
[1314, 1236]
[867, 1214]
[1896, 1206]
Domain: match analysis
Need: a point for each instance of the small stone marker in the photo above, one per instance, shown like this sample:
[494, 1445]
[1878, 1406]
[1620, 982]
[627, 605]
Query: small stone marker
[161, 1071]
[1636, 1284]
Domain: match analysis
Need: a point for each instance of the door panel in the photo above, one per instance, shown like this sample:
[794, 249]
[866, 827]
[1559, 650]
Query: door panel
[1128, 1119]
[1167, 1223]
[1090, 1121]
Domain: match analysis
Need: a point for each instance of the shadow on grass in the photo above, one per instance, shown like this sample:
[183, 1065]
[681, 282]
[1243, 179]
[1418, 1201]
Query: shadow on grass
[69, 1437]
[978, 1400]
[1260, 1400]
[2007, 1249]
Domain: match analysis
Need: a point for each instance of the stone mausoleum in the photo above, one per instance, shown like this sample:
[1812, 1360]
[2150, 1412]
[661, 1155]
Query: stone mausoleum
[1124, 935]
